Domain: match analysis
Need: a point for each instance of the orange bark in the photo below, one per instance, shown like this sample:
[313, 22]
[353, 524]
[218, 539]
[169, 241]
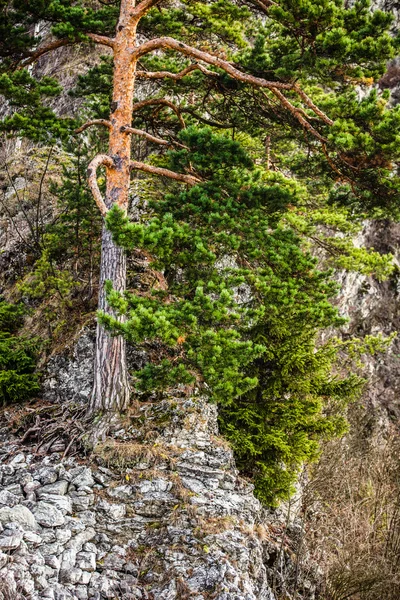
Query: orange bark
[175, 76]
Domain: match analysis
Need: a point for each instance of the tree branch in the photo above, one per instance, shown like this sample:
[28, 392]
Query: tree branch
[101, 39]
[35, 54]
[297, 114]
[98, 161]
[143, 8]
[103, 122]
[189, 179]
[314, 107]
[175, 76]
[150, 137]
[210, 122]
[264, 4]
[167, 43]
[160, 101]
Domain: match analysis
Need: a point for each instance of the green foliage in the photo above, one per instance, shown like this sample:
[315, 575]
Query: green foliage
[243, 309]
[18, 354]
[30, 117]
[62, 279]
[327, 41]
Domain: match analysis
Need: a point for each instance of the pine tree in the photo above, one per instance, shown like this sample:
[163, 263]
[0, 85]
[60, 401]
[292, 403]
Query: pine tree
[295, 69]
[18, 354]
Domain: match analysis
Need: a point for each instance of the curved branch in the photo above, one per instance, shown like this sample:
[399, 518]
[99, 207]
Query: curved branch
[142, 9]
[168, 43]
[192, 112]
[151, 138]
[175, 76]
[98, 161]
[264, 4]
[35, 54]
[189, 179]
[103, 122]
[314, 107]
[163, 102]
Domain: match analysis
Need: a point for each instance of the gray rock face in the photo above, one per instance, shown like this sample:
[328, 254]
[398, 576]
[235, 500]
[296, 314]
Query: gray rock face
[69, 375]
[373, 307]
[184, 526]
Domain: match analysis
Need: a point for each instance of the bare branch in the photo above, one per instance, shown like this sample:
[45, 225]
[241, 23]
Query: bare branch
[189, 179]
[314, 107]
[264, 4]
[35, 54]
[163, 102]
[44, 50]
[150, 137]
[168, 43]
[210, 122]
[103, 122]
[143, 8]
[101, 39]
[98, 161]
[145, 135]
[175, 76]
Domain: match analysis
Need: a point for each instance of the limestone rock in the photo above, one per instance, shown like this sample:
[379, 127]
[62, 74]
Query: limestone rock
[18, 514]
[48, 515]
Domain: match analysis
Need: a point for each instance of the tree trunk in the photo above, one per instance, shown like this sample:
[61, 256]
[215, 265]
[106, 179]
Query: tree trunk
[111, 389]
[111, 379]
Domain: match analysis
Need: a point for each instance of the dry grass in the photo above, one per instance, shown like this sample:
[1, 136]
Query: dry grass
[353, 519]
[123, 455]
[215, 525]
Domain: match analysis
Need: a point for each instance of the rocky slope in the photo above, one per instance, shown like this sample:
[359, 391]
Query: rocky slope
[165, 519]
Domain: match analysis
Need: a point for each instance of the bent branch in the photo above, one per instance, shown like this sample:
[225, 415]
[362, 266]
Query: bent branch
[142, 9]
[101, 39]
[297, 113]
[35, 54]
[167, 43]
[264, 5]
[42, 50]
[103, 122]
[314, 107]
[189, 179]
[98, 161]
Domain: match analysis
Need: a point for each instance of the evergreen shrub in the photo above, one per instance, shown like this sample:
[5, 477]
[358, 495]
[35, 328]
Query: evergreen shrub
[18, 354]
